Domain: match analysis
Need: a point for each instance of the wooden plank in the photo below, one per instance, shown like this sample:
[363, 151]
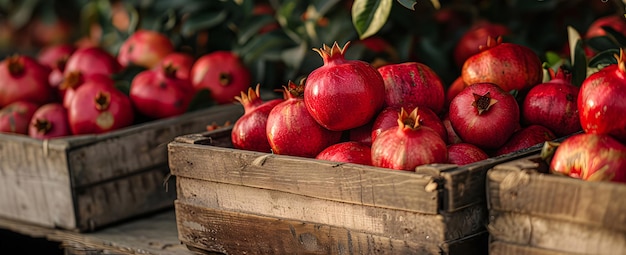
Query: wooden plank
[504, 248]
[34, 182]
[155, 234]
[563, 236]
[241, 233]
[517, 187]
[109, 202]
[350, 183]
[397, 224]
[145, 146]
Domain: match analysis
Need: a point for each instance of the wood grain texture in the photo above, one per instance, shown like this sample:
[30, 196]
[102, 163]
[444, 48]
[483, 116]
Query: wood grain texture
[349, 183]
[240, 233]
[397, 224]
[558, 235]
[517, 187]
[504, 248]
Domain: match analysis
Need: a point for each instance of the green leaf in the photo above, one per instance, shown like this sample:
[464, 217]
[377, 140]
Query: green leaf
[369, 16]
[201, 100]
[553, 59]
[602, 43]
[604, 58]
[579, 65]
[618, 37]
[252, 27]
[202, 21]
[254, 49]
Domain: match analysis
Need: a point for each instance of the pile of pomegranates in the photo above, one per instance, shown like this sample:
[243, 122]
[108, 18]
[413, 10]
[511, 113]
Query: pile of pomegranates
[70, 89]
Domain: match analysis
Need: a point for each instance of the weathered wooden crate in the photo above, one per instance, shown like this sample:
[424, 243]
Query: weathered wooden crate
[244, 202]
[533, 213]
[84, 182]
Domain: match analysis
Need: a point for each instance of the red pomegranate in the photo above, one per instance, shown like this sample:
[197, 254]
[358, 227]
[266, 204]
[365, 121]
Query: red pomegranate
[601, 103]
[508, 65]
[476, 36]
[388, 118]
[15, 117]
[22, 78]
[249, 131]
[99, 109]
[182, 62]
[457, 86]
[362, 134]
[484, 115]
[408, 145]
[553, 104]
[222, 73]
[55, 56]
[347, 152]
[90, 60]
[343, 94]
[465, 153]
[159, 94]
[74, 80]
[291, 130]
[49, 121]
[526, 138]
[145, 48]
[453, 137]
[590, 157]
[411, 85]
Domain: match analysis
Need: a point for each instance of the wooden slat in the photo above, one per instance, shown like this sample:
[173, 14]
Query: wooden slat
[504, 248]
[350, 183]
[241, 233]
[145, 146]
[557, 235]
[517, 187]
[397, 224]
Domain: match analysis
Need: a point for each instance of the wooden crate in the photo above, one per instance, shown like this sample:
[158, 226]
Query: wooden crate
[84, 182]
[533, 213]
[236, 201]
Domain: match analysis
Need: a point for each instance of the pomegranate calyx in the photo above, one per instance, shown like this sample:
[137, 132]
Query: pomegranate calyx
[491, 42]
[293, 90]
[71, 80]
[60, 63]
[483, 102]
[170, 70]
[225, 79]
[15, 65]
[42, 126]
[330, 54]
[408, 120]
[102, 100]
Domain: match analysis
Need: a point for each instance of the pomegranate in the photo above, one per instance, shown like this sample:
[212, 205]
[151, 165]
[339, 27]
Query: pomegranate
[362, 134]
[526, 138]
[453, 137]
[222, 73]
[160, 94]
[22, 78]
[411, 85]
[600, 101]
[484, 115]
[469, 44]
[55, 56]
[49, 121]
[343, 94]
[291, 130]
[15, 117]
[347, 152]
[97, 108]
[590, 157]
[74, 80]
[457, 86]
[465, 153]
[553, 104]
[182, 62]
[388, 118]
[248, 132]
[408, 145]
[145, 48]
[616, 22]
[90, 60]
[510, 66]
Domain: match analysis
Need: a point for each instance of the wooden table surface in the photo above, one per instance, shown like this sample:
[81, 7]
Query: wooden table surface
[153, 234]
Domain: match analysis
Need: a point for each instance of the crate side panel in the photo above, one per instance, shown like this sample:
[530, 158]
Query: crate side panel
[35, 183]
[556, 235]
[398, 224]
[504, 248]
[231, 232]
[141, 147]
[119, 199]
[517, 187]
[350, 183]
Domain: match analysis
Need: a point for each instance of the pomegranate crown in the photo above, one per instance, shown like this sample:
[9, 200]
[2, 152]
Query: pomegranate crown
[408, 120]
[293, 90]
[333, 52]
[491, 42]
[561, 74]
[251, 97]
